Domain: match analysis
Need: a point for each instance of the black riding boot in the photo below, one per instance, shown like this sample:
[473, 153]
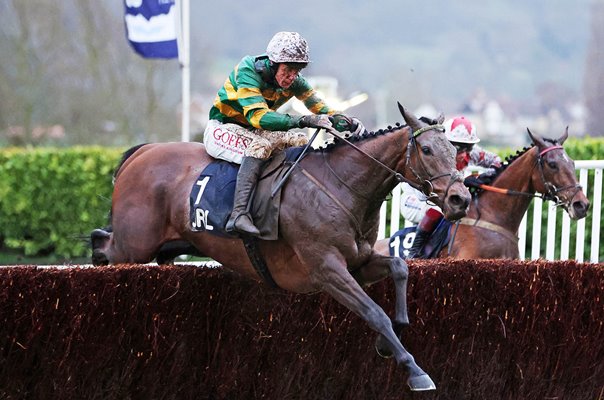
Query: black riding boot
[421, 237]
[247, 177]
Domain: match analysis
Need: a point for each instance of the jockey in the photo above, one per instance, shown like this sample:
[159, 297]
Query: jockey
[245, 127]
[463, 135]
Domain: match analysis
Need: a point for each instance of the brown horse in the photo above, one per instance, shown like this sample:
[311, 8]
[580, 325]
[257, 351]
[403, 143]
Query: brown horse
[491, 226]
[328, 219]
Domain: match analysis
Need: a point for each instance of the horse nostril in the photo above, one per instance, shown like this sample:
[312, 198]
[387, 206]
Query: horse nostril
[580, 208]
[459, 201]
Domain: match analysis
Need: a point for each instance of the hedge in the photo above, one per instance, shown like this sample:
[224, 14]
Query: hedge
[486, 329]
[52, 198]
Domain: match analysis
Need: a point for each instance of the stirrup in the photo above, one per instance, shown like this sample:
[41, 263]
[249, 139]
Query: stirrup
[242, 223]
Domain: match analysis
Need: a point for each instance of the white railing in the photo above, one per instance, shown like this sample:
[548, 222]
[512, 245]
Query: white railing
[557, 244]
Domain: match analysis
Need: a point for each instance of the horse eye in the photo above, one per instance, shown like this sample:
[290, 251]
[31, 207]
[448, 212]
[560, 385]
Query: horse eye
[553, 165]
[426, 150]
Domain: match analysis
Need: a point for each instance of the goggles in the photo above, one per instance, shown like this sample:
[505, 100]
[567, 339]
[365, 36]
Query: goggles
[463, 147]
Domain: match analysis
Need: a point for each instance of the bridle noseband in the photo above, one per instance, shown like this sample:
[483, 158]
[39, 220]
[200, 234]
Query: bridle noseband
[551, 189]
[426, 186]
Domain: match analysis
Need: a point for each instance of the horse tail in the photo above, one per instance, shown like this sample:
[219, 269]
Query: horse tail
[126, 155]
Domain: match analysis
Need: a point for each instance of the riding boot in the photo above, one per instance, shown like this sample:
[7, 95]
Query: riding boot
[247, 177]
[423, 232]
[421, 236]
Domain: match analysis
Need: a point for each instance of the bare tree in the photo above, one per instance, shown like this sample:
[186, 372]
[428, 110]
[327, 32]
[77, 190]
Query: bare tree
[70, 64]
[594, 74]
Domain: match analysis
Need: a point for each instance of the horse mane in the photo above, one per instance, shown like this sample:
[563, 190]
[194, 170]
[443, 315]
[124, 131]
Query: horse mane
[358, 138]
[488, 178]
[126, 155]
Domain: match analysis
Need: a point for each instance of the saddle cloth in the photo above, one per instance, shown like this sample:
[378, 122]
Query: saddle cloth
[211, 197]
[400, 243]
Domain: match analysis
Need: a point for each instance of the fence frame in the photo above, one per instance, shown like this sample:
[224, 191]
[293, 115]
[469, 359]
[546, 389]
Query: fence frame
[583, 167]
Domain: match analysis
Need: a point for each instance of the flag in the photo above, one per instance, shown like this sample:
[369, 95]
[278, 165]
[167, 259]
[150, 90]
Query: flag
[152, 27]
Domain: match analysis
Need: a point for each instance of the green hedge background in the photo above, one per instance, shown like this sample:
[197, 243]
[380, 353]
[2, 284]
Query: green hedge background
[51, 198]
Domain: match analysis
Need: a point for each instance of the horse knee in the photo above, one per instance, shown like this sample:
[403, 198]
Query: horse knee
[399, 269]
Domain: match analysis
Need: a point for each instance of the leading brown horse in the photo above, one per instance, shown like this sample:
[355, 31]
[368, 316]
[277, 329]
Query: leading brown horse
[328, 220]
[491, 227]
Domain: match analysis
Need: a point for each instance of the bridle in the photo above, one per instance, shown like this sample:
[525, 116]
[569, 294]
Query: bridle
[551, 191]
[425, 184]
[551, 194]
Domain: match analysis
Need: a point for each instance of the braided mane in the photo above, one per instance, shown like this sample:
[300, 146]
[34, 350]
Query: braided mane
[358, 138]
[488, 179]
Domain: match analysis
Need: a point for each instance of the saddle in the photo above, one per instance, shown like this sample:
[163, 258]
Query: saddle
[400, 243]
[211, 197]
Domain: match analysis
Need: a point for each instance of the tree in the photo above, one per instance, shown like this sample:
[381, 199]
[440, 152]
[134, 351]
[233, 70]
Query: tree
[594, 74]
[68, 63]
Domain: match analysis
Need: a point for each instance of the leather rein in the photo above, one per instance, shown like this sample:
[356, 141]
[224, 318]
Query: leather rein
[551, 195]
[426, 186]
[551, 189]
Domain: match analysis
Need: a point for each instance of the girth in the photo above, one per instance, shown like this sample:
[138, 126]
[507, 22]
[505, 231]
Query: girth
[490, 226]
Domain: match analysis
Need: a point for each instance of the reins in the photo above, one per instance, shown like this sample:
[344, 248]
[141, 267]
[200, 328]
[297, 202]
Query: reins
[551, 189]
[550, 194]
[426, 187]
[399, 177]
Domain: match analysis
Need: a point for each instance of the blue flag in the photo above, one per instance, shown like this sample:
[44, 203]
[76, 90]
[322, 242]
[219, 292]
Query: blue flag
[151, 27]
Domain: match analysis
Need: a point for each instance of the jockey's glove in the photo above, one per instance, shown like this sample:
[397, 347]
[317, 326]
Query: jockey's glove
[343, 123]
[472, 181]
[315, 121]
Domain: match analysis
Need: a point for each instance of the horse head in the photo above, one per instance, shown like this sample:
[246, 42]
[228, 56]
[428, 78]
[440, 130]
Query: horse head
[554, 176]
[431, 167]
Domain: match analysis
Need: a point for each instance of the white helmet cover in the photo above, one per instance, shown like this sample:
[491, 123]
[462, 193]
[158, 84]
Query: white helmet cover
[286, 47]
[461, 130]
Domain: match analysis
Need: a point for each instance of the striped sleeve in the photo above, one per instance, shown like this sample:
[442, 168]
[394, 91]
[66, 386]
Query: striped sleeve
[253, 104]
[305, 93]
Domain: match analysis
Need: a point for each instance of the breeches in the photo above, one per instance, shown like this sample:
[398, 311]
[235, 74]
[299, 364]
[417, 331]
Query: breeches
[231, 142]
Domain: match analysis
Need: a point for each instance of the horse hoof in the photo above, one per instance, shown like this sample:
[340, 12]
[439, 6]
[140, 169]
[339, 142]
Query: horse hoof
[99, 237]
[382, 348]
[421, 383]
[99, 258]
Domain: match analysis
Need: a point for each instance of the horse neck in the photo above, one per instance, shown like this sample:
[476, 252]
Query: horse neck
[507, 210]
[366, 177]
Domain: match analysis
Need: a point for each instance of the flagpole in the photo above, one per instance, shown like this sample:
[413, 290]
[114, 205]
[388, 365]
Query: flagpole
[184, 52]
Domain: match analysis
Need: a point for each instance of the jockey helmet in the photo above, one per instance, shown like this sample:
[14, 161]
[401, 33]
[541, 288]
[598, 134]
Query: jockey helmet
[461, 130]
[288, 47]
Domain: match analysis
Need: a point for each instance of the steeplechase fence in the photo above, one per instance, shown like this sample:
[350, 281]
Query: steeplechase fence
[482, 329]
[548, 239]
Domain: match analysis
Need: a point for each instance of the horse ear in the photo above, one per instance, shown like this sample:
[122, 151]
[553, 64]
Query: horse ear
[409, 118]
[536, 139]
[441, 118]
[563, 137]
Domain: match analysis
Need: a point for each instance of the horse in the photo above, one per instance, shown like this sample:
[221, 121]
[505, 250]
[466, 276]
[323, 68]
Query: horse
[490, 228]
[328, 218]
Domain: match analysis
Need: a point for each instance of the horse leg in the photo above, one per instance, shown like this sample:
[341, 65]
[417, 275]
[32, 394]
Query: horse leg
[136, 237]
[170, 250]
[337, 282]
[99, 239]
[374, 271]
